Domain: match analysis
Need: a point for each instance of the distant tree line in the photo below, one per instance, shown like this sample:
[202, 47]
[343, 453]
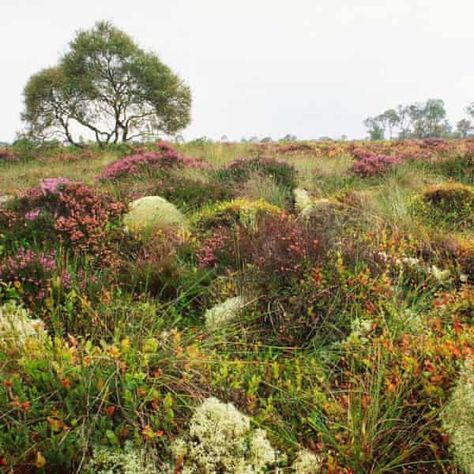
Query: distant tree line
[418, 120]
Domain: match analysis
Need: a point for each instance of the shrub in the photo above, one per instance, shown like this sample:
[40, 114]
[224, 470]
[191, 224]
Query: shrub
[371, 165]
[31, 273]
[7, 154]
[192, 193]
[278, 248]
[458, 419]
[450, 203]
[221, 439]
[241, 169]
[151, 265]
[77, 215]
[146, 162]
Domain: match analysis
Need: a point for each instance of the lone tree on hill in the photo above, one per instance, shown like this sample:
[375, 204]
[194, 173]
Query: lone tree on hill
[106, 85]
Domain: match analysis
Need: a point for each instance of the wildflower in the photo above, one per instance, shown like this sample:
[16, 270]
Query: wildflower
[32, 215]
[52, 185]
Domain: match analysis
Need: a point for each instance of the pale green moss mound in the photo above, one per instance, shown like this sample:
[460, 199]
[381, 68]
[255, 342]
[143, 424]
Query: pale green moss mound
[458, 419]
[153, 213]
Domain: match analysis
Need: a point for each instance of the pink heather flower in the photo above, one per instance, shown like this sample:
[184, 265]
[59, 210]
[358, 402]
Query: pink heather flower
[165, 158]
[51, 185]
[32, 215]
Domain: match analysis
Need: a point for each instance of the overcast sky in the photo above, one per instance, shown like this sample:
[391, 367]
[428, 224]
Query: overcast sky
[265, 67]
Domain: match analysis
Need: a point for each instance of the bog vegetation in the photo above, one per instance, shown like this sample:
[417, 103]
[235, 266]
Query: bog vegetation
[237, 308]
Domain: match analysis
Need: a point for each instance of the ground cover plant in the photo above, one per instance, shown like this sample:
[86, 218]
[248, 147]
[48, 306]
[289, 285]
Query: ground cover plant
[207, 308]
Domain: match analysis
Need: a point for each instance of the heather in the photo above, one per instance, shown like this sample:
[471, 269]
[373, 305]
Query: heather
[219, 307]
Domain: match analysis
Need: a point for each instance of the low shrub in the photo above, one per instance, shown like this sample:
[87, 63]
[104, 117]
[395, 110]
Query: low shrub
[31, 275]
[192, 194]
[276, 247]
[71, 213]
[149, 162]
[450, 203]
[240, 169]
[7, 155]
[370, 165]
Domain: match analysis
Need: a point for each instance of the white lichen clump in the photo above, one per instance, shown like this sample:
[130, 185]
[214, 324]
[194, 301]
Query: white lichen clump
[221, 440]
[303, 200]
[130, 460]
[224, 313]
[152, 213]
[306, 462]
[458, 419]
[17, 329]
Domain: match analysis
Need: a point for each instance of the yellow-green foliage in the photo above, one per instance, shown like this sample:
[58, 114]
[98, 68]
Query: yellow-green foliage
[451, 203]
[458, 419]
[237, 210]
[151, 213]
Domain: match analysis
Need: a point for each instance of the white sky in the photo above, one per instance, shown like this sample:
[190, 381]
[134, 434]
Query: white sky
[265, 67]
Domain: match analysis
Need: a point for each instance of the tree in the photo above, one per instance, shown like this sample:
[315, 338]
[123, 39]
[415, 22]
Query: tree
[105, 84]
[375, 128]
[417, 120]
[434, 115]
[470, 110]
[463, 127]
[391, 119]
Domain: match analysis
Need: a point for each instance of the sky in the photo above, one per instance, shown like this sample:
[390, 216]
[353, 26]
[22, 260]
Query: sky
[261, 68]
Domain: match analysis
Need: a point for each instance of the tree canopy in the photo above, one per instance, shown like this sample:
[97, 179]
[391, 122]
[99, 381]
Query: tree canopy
[107, 86]
[418, 120]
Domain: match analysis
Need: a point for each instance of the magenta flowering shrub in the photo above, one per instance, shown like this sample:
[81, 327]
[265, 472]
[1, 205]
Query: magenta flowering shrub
[369, 164]
[31, 274]
[164, 158]
[69, 212]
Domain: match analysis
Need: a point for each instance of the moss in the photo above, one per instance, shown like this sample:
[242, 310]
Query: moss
[153, 212]
[231, 212]
[458, 419]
